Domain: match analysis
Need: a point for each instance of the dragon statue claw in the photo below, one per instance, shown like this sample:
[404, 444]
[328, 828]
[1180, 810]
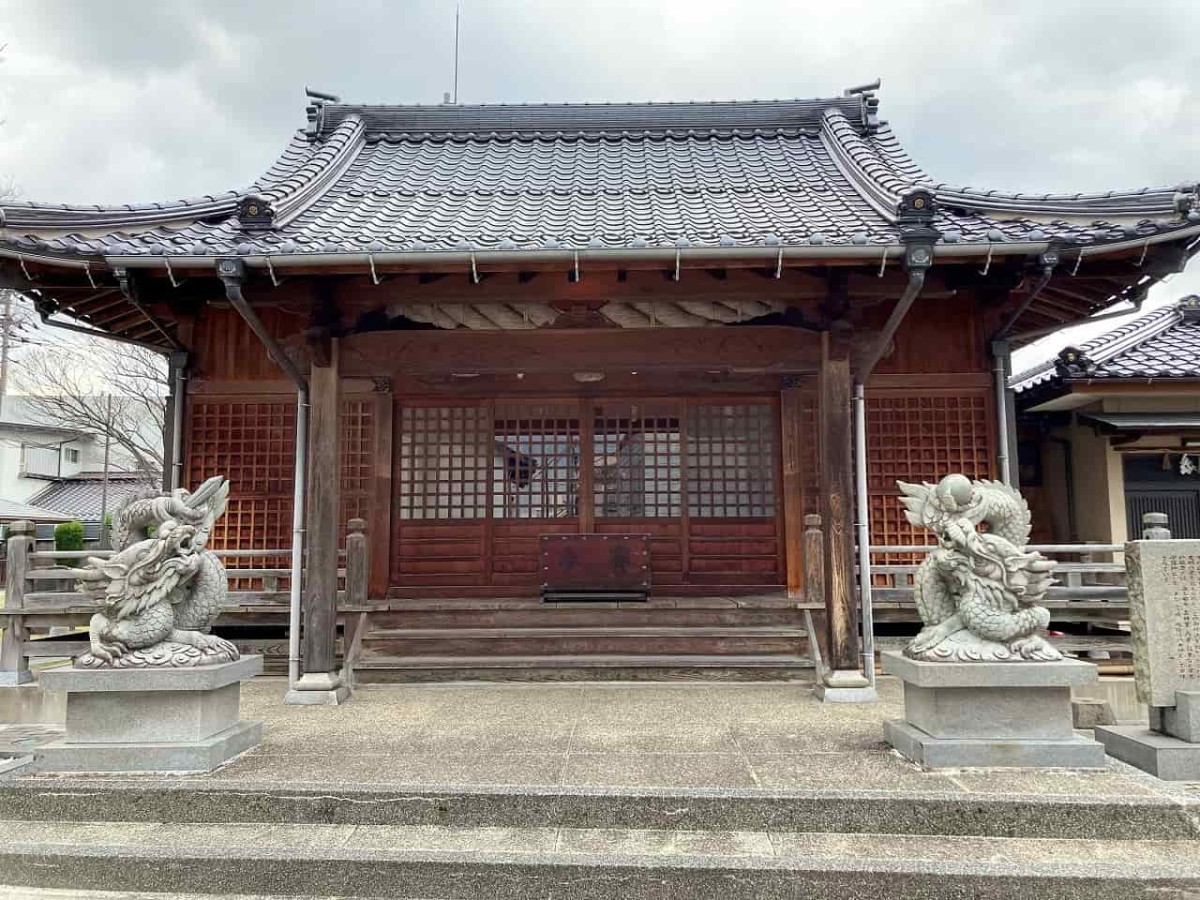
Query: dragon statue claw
[159, 594]
[978, 591]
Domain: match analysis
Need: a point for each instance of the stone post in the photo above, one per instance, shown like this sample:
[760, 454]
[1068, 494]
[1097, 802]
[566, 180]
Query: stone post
[356, 562]
[1164, 614]
[1155, 527]
[14, 668]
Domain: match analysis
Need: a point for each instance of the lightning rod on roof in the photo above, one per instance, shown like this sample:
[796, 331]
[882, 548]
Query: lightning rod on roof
[457, 11]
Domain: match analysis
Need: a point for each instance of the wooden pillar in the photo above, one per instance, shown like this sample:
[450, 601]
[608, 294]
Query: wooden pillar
[324, 500]
[837, 500]
[791, 414]
[380, 531]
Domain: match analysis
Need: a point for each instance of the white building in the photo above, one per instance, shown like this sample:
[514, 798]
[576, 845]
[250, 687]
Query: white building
[33, 454]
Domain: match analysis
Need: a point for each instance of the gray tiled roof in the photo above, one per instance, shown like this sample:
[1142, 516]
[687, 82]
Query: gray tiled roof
[80, 497]
[402, 179]
[13, 510]
[1161, 344]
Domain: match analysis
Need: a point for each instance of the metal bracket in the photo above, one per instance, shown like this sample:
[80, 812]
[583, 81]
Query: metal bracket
[987, 266]
[779, 264]
[474, 271]
[170, 272]
[271, 272]
[883, 262]
[1078, 263]
[1145, 250]
[375, 279]
[87, 269]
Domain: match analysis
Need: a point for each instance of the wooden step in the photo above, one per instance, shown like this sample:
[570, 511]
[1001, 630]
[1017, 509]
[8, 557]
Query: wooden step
[663, 640]
[585, 667]
[585, 616]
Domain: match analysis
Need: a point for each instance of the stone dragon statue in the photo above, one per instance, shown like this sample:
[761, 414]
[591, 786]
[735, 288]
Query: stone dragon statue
[977, 593]
[160, 593]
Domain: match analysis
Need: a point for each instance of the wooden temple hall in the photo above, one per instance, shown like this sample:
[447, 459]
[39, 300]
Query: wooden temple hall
[615, 388]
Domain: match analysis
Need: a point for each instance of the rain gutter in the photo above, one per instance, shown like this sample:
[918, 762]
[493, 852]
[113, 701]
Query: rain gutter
[232, 273]
[918, 257]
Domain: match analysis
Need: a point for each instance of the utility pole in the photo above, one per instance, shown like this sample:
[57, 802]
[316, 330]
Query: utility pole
[104, 541]
[6, 324]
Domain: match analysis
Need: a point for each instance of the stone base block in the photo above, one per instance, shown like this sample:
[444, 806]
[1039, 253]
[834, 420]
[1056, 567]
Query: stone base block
[1071, 752]
[1181, 720]
[150, 756]
[1088, 712]
[1162, 755]
[151, 720]
[331, 697]
[14, 678]
[318, 689]
[830, 694]
[845, 686]
[990, 713]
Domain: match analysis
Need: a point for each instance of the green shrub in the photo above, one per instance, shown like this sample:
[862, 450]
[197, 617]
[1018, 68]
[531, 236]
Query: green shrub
[68, 536]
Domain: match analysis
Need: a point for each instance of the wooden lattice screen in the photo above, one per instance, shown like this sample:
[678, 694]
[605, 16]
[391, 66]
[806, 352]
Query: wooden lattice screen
[921, 437]
[358, 457]
[251, 442]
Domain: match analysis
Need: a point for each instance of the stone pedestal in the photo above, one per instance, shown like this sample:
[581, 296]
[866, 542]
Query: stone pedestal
[1169, 748]
[1005, 714]
[151, 720]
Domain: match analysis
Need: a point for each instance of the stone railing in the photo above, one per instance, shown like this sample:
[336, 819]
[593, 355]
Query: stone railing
[42, 609]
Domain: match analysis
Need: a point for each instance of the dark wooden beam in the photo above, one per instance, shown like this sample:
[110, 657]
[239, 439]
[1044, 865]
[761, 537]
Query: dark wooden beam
[837, 495]
[324, 498]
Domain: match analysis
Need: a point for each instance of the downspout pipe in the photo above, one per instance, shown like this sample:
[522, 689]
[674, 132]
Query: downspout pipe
[918, 257]
[177, 363]
[232, 273]
[1001, 354]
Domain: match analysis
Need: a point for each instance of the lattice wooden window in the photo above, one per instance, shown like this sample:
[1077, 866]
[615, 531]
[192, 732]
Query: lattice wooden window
[445, 453]
[638, 464]
[921, 438]
[358, 456]
[535, 463]
[731, 460]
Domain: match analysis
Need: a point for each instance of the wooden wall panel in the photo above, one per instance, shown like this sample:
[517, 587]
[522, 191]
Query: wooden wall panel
[940, 334]
[225, 349]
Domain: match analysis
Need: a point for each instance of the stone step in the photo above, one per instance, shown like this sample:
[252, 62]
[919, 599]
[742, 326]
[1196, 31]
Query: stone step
[584, 667]
[502, 863]
[587, 640]
[48, 799]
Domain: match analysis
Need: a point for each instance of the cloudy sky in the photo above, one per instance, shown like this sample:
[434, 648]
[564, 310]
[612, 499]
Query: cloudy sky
[112, 101]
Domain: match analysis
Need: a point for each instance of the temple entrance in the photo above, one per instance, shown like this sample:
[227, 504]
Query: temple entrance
[479, 482]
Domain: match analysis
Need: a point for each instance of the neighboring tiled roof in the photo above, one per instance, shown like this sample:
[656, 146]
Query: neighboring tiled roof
[458, 179]
[13, 510]
[80, 496]
[1162, 344]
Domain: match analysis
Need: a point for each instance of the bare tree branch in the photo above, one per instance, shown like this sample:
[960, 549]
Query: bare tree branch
[70, 386]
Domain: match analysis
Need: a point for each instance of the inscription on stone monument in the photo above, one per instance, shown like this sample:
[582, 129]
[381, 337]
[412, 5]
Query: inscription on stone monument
[1164, 610]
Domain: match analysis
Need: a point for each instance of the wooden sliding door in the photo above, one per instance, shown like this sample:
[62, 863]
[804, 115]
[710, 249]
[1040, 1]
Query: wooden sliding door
[478, 482]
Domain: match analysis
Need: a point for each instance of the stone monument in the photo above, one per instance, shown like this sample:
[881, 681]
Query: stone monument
[1163, 578]
[982, 686]
[156, 692]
